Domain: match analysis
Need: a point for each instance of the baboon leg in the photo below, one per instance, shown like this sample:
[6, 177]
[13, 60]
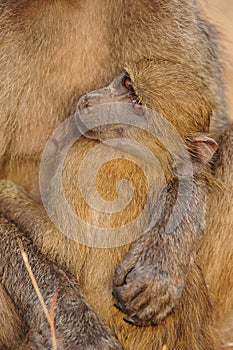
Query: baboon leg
[76, 324]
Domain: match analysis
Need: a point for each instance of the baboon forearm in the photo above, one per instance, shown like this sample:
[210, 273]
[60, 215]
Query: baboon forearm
[149, 283]
[177, 232]
[14, 202]
[32, 219]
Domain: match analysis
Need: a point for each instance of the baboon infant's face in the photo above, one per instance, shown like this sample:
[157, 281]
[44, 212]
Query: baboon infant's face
[101, 113]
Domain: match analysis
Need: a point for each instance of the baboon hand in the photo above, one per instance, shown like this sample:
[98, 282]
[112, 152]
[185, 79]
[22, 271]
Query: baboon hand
[145, 286]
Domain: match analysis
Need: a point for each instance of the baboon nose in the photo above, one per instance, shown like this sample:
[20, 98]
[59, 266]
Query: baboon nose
[83, 103]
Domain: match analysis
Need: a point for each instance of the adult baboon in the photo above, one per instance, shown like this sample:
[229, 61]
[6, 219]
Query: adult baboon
[53, 52]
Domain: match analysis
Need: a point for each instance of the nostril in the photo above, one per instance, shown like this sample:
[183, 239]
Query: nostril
[137, 106]
[83, 103]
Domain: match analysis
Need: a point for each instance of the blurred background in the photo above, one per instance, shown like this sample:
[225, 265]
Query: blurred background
[221, 14]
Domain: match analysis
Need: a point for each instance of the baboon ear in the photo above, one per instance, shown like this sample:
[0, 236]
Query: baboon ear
[203, 149]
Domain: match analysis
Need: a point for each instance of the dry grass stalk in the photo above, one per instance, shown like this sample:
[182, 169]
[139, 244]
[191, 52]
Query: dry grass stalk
[49, 316]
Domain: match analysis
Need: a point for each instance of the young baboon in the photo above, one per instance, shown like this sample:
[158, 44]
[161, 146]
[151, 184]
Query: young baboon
[157, 276]
[167, 251]
[54, 51]
[35, 224]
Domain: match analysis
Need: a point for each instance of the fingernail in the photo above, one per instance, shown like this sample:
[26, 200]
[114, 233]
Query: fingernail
[128, 320]
[118, 306]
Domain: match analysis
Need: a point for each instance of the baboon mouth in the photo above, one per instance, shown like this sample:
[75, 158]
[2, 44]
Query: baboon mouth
[85, 130]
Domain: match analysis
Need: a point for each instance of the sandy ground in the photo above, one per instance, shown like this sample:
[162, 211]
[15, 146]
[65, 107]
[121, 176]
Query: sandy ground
[221, 14]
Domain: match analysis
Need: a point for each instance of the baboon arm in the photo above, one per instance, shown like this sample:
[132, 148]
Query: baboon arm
[31, 218]
[20, 208]
[149, 283]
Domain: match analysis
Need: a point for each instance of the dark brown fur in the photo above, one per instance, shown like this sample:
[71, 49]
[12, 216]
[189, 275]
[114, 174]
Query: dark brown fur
[170, 52]
[70, 307]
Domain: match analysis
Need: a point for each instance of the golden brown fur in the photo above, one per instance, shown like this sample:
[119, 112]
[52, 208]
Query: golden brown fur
[63, 42]
[52, 52]
[216, 249]
[191, 323]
